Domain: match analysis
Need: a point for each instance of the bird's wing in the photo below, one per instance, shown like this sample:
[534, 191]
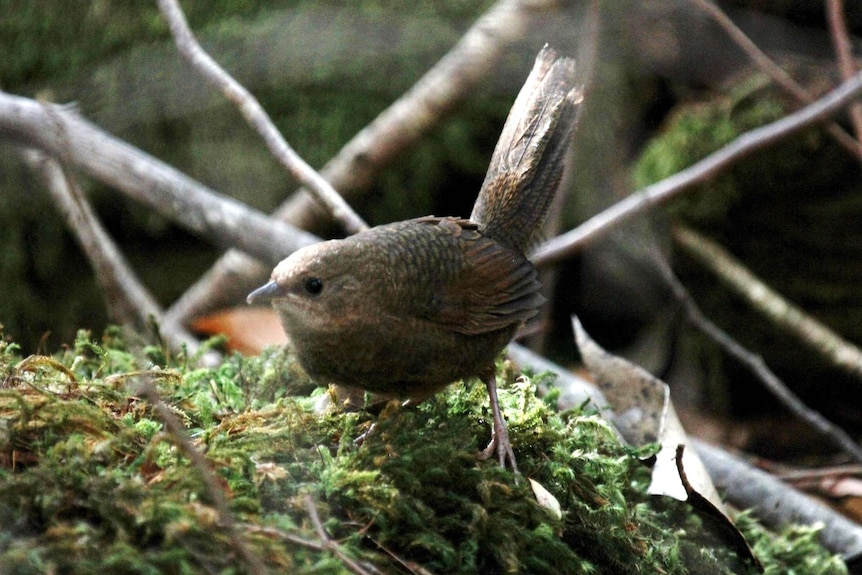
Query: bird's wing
[491, 287]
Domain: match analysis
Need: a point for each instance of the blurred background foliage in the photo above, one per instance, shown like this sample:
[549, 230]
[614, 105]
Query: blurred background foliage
[323, 70]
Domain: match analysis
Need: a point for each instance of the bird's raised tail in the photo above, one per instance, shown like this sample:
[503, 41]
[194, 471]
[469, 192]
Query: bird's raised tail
[527, 164]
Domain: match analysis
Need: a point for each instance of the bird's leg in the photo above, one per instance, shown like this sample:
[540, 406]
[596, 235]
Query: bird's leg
[499, 434]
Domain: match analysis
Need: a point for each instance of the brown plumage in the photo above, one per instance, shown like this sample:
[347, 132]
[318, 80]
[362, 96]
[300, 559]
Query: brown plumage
[406, 308]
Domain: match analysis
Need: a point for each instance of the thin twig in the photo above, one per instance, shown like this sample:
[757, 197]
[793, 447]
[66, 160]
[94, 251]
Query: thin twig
[778, 75]
[358, 164]
[214, 490]
[222, 220]
[323, 544]
[411, 566]
[755, 363]
[799, 475]
[280, 534]
[328, 543]
[257, 117]
[653, 195]
[844, 51]
[835, 349]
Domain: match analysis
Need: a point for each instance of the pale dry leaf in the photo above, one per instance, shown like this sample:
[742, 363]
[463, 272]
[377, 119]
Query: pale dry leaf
[645, 414]
[546, 499]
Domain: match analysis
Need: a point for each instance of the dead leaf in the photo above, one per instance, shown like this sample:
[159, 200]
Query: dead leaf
[249, 329]
[546, 499]
[645, 414]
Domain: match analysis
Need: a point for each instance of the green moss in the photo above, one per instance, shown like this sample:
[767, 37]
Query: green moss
[793, 551]
[698, 129]
[91, 482]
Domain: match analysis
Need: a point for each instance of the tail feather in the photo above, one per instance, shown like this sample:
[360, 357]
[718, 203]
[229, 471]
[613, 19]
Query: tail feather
[527, 164]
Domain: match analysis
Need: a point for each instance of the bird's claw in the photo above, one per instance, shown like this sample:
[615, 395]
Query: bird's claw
[499, 443]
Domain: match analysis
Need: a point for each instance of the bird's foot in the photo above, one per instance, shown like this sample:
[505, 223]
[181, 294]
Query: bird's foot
[500, 445]
[499, 433]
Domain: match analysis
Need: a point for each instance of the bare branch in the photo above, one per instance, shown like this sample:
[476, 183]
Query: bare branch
[844, 50]
[214, 490]
[222, 220]
[778, 75]
[128, 300]
[257, 117]
[396, 129]
[768, 302]
[574, 391]
[775, 503]
[758, 367]
[712, 165]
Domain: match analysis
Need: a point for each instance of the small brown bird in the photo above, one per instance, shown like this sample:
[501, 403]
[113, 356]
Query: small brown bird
[407, 308]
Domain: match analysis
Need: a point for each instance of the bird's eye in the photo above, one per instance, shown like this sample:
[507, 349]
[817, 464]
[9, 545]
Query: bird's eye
[313, 285]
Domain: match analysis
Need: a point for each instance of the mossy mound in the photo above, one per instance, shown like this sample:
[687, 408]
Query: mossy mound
[90, 481]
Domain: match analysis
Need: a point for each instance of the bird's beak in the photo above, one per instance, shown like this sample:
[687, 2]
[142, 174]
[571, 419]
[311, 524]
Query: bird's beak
[264, 293]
